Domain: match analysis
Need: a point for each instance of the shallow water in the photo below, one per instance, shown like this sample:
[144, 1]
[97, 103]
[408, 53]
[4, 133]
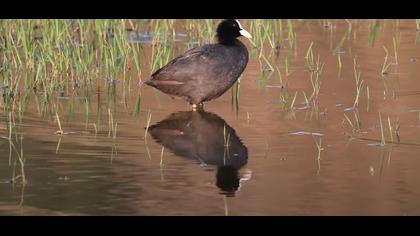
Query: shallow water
[258, 157]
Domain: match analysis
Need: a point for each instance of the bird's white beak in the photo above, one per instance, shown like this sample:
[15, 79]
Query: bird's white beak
[245, 33]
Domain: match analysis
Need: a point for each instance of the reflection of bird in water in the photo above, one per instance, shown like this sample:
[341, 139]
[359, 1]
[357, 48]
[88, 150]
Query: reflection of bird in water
[206, 137]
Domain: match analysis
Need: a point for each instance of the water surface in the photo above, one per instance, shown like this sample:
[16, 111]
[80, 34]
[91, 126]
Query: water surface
[256, 156]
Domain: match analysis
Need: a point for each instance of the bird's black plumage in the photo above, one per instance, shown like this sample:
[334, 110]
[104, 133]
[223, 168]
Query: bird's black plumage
[205, 73]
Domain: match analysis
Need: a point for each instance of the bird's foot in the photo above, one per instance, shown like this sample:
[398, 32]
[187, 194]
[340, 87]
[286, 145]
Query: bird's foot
[196, 107]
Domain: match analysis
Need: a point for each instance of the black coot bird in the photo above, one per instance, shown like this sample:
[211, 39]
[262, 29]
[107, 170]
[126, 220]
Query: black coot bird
[207, 139]
[205, 73]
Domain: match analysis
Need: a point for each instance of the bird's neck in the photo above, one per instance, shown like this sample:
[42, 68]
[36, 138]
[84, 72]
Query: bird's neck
[228, 41]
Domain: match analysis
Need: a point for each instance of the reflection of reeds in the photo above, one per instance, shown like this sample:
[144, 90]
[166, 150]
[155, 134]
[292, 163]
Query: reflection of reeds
[10, 138]
[19, 152]
[58, 145]
[418, 116]
[225, 204]
[112, 127]
[137, 106]
[248, 117]
[390, 130]
[114, 151]
[149, 118]
[161, 156]
[383, 142]
[381, 161]
[235, 94]
[320, 149]
[397, 131]
[226, 137]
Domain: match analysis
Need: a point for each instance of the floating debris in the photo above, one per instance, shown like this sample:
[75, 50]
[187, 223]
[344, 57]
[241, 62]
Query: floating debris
[65, 178]
[275, 86]
[5, 181]
[305, 107]
[376, 145]
[306, 133]
[3, 86]
[390, 75]
[59, 132]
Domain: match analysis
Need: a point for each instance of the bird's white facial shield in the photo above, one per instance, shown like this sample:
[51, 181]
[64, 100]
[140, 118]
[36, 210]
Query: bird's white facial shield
[242, 31]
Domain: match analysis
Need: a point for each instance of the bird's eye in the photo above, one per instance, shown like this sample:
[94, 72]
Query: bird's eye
[234, 25]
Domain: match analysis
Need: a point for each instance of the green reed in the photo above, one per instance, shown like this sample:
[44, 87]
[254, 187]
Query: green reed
[286, 65]
[359, 84]
[374, 26]
[338, 50]
[292, 104]
[60, 130]
[50, 55]
[355, 123]
[386, 64]
[161, 156]
[310, 58]
[315, 78]
[396, 47]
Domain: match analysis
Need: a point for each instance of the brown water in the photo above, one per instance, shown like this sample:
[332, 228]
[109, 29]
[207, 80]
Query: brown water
[271, 165]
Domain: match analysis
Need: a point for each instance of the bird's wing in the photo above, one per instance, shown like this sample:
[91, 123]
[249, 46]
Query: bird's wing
[183, 68]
